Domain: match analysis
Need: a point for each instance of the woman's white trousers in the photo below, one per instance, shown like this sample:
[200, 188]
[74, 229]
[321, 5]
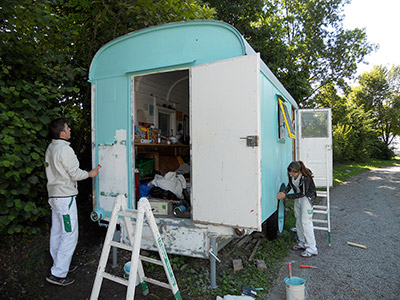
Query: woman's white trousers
[303, 212]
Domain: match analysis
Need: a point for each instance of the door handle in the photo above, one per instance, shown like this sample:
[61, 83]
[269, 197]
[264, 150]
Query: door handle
[251, 140]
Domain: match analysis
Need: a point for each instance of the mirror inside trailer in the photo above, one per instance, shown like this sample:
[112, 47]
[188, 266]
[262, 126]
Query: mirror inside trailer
[160, 104]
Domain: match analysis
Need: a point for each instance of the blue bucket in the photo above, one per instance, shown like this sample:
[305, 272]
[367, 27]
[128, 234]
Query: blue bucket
[295, 288]
[127, 269]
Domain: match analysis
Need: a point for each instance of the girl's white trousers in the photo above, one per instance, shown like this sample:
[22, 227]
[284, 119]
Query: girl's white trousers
[303, 211]
[63, 234]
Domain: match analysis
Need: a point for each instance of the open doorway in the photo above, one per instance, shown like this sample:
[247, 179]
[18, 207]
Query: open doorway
[160, 104]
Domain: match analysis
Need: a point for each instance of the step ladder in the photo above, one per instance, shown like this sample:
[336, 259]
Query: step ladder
[323, 210]
[324, 224]
[136, 268]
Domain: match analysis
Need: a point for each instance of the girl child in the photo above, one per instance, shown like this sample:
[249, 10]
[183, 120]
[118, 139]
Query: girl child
[304, 193]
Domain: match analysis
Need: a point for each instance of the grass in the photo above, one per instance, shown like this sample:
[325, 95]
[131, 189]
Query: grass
[341, 172]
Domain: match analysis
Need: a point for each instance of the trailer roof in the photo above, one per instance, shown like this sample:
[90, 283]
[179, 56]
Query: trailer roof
[162, 48]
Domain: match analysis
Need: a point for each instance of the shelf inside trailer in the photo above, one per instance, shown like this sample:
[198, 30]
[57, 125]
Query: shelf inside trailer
[165, 156]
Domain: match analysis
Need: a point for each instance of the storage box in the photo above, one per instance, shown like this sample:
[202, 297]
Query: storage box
[161, 207]
[145, 167]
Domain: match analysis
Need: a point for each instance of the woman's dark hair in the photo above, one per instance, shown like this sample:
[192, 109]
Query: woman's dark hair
[56, 127]
[297, 166]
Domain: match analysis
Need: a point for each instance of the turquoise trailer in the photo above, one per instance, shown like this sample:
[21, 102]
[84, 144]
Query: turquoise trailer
[200, 85]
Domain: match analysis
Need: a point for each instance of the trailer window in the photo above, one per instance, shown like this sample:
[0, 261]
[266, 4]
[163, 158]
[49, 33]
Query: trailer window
[284, 121]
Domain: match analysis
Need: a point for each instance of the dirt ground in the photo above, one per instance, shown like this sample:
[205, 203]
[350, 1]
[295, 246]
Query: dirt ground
[24, 265]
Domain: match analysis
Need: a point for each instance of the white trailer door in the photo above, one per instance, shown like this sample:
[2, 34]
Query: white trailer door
[315, 143]
[225, 120]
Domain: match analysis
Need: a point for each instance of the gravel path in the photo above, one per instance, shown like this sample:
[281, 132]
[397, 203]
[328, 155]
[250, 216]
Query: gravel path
[365, 210]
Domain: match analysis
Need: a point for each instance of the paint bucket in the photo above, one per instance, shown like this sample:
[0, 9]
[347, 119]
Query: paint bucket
[295, 288]
[179, 209]
[127, 269]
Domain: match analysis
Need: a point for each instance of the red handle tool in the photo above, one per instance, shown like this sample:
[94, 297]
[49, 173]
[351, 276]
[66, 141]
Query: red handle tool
[308, 267]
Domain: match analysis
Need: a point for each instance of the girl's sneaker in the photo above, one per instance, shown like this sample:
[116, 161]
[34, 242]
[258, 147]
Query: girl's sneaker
[298, 247]
[307, 254]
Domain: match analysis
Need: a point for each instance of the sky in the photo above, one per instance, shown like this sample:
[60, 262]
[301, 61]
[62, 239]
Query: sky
[382, 22]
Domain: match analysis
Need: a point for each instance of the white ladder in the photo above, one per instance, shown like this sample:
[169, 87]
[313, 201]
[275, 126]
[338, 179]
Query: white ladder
[120, 209]
[324, 209]
[325, 224]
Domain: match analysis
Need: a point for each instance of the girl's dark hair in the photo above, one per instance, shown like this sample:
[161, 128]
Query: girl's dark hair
[56, 127]
[297, 166]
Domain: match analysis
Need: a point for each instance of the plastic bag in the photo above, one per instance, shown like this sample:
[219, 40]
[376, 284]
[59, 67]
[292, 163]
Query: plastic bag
[158, 192]
[172, 182]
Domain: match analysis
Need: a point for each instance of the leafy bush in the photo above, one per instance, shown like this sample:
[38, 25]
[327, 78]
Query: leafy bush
[380, 150]
[46, 50]
[353, 134]
[35, 77]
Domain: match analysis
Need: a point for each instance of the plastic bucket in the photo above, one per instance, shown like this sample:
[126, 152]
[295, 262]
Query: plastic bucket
[295, 288]
[127, 269]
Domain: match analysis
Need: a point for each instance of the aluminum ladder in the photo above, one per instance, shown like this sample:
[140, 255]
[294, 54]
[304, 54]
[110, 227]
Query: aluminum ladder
[136, 268]
[324, 210]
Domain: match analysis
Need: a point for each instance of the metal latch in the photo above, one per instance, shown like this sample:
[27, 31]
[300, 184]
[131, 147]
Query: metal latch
[213, 255]
[251, 140]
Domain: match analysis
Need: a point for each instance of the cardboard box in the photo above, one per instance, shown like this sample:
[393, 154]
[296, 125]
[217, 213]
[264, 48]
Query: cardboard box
[161, 207]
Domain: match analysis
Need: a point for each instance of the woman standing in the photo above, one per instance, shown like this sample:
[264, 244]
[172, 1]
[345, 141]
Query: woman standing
[304, 193]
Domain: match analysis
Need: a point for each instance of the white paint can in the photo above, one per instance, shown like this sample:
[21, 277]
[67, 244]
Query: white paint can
[295, 288]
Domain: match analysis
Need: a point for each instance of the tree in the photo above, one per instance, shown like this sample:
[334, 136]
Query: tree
[354, 134]
[379, 92]
[353, 128]
[35, 79]
[302, 41]
[45, 54]
[95, 23]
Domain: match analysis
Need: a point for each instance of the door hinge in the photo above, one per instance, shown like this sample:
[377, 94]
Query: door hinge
[251, 140]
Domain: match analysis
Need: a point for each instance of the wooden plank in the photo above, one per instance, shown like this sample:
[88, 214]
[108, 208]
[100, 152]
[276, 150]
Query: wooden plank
[254, 250]
[244, 240]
